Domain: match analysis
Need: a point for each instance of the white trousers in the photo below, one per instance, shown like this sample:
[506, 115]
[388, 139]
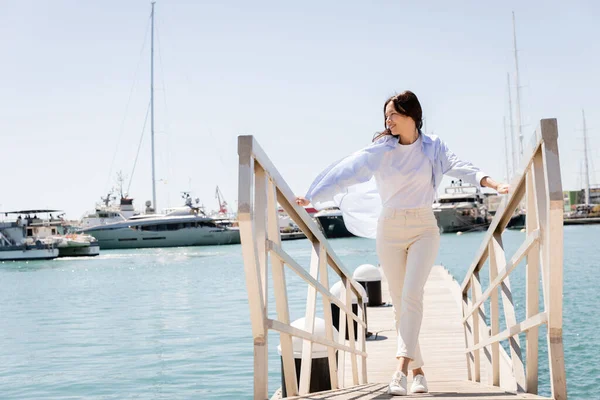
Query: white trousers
[408, 241]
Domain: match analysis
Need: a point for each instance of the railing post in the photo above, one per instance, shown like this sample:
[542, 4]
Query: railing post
[351, 331]
[468, 330]
[553, 254]
[342, 338]
[324, 280]
[309, 321]
[280, 291]
[252, 271]
[532, 285]
[474, 297]
[497, 260]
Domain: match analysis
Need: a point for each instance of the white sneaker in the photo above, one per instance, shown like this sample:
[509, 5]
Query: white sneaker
[397, 386]
[419, 384]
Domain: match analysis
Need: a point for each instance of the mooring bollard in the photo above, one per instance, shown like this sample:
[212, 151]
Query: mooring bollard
[319, 372]
[336, 290]
[370, 278]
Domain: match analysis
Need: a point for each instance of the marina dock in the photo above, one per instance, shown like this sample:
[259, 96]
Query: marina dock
[462, 329]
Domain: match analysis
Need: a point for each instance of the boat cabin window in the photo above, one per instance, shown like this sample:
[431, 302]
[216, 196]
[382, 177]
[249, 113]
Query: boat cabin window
[459, 200]
[174, 226]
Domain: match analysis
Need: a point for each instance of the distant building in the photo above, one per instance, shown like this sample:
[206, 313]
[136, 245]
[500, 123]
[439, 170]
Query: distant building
[574, 197]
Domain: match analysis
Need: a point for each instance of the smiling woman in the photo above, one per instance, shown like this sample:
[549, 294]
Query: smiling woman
[407, 166]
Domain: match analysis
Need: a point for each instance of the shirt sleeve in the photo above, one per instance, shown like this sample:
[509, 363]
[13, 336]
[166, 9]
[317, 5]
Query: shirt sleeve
[457, 168]
[356, 168]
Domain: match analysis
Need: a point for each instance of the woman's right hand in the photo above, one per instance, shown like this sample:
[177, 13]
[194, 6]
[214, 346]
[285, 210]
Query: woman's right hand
[301, 201]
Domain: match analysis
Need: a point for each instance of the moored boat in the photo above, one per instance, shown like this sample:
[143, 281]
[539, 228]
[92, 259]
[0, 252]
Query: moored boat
[332, 223]
[15, 246]
[461, 209]
[41, 226]
[163, 231]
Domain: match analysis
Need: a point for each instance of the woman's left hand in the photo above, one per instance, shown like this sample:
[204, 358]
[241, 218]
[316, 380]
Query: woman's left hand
[503, 188]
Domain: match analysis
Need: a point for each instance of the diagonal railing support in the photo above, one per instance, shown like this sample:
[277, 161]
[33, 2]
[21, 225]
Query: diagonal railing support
[540, 187]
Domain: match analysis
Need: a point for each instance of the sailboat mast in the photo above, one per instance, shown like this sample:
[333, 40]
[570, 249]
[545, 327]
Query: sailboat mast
[512, 129]
[506, 151]
[586, 171]
[152, 106]
[518, 89]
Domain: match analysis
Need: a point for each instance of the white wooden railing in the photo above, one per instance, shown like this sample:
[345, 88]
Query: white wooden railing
[540, 184]
[260, 189]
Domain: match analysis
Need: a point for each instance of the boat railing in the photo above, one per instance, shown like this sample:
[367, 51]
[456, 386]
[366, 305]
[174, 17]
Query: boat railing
[4, 240]
[260, 189]
[540, 185]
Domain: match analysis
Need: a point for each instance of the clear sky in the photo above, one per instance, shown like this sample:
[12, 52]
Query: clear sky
[308, 79]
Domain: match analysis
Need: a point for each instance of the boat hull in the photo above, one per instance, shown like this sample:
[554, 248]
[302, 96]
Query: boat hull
[126, 238]
[27, 255]
[452, 220]
[333, 226]
[79, 251]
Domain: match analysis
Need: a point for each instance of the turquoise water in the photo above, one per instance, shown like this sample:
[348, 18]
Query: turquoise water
[174, 323]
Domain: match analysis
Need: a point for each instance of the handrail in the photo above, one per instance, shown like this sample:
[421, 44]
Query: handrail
[540, 185]
[260, 189]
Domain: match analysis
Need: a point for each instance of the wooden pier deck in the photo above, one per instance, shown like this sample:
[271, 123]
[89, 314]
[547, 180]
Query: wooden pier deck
[442, 345]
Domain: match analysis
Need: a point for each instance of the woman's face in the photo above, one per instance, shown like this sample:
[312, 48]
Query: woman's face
[397, 122]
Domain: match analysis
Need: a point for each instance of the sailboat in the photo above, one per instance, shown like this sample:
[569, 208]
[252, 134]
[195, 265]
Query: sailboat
[190, 227]
[585, 213]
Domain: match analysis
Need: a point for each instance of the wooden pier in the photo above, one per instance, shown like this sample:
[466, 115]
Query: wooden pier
[459, 342]
[442, 345]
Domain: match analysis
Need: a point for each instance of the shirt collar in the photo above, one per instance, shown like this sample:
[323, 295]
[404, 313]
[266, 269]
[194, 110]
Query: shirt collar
[392, 141]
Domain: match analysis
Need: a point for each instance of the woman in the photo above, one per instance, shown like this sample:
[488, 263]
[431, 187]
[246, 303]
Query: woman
[408, 166]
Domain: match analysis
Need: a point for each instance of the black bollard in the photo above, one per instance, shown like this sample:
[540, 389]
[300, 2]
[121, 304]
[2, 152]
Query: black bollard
[370, 278]
[319, 372]
[336, 290]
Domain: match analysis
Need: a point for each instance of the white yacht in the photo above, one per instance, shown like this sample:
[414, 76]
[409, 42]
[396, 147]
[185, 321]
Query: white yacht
[163, 231]
[461, 208]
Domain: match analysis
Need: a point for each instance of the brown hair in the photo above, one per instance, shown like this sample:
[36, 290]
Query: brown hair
[405, 103]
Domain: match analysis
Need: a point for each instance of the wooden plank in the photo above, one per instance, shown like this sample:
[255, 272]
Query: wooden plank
[351, 339]
[477, 332]
[532, 286]
[467, 328]
[280, 292]
[309, 321]
[362, 333]
[497, 260]
[324, 280]
[260, 228]
[513, 342]
[536, 320]
[342, 339]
